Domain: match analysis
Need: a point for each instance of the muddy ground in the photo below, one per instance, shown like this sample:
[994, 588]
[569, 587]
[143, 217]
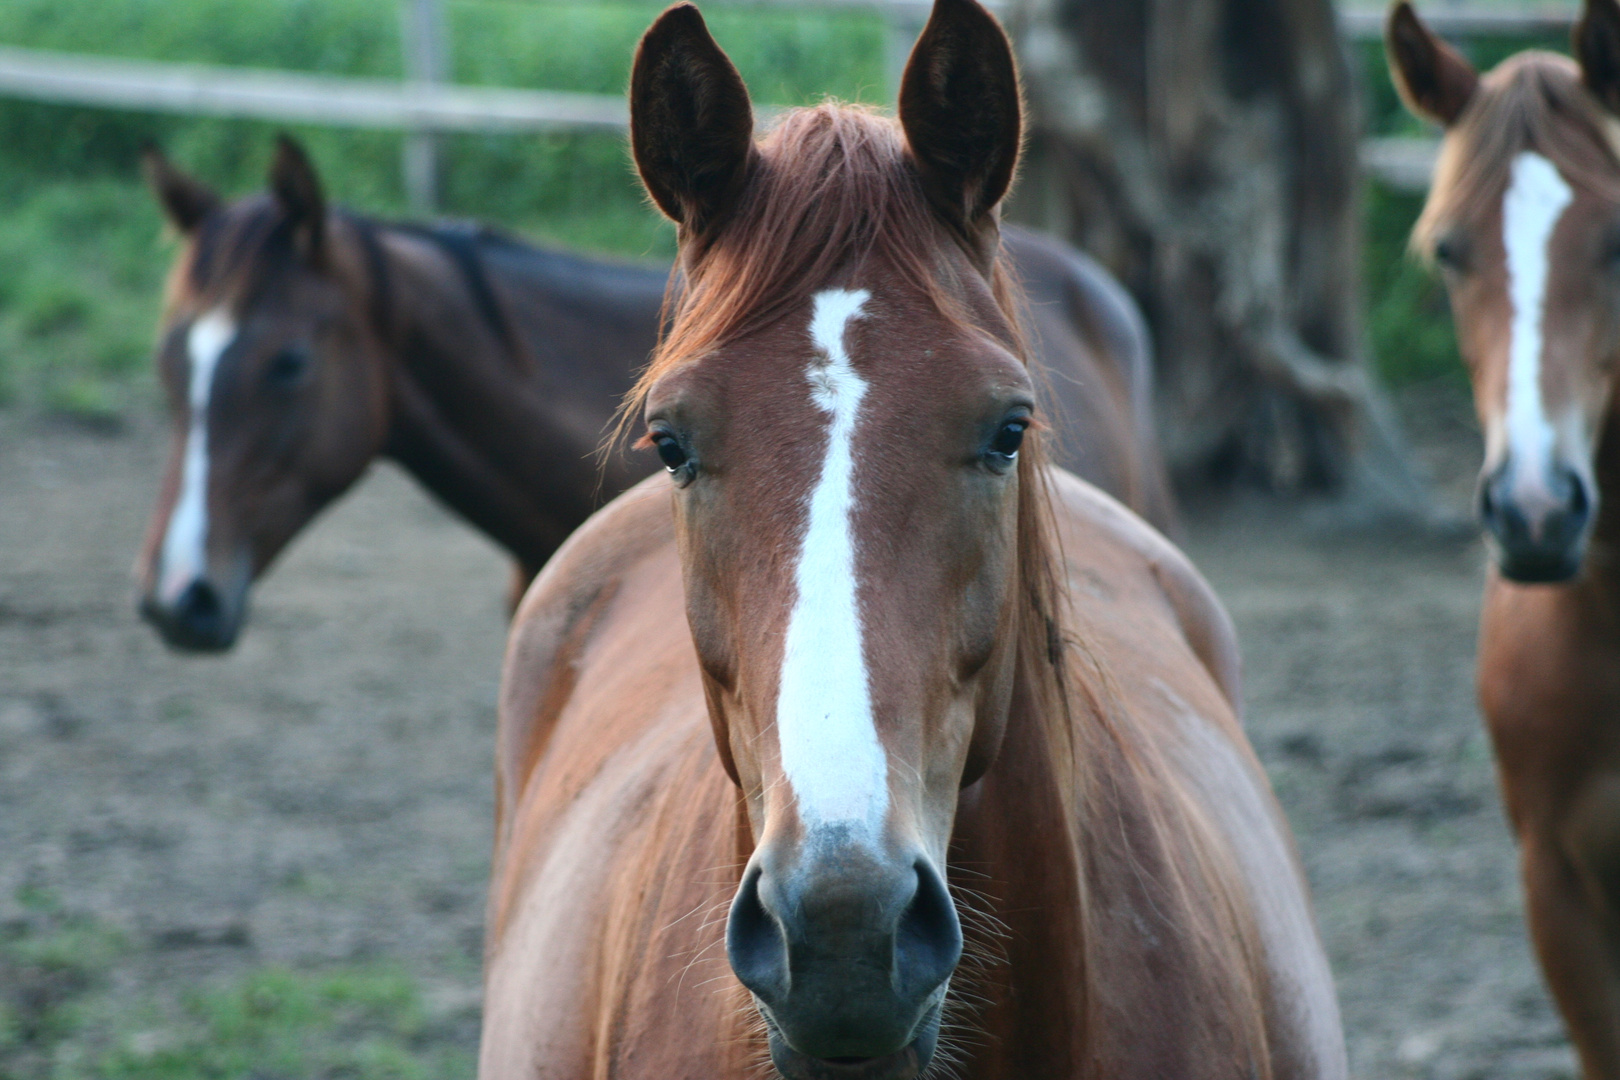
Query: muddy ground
[321, 797]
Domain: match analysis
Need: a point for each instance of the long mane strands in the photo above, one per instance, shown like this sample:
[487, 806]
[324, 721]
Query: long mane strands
[1532, 101]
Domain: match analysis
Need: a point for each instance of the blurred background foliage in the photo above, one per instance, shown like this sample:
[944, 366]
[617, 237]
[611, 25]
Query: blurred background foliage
[82, 250]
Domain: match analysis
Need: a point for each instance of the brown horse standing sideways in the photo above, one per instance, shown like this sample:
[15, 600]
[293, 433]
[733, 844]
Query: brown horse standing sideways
[301, 343]
[1524, 221]
[863, 742]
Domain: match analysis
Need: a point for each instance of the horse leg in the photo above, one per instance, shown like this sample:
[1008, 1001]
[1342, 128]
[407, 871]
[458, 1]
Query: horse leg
[1572, 885]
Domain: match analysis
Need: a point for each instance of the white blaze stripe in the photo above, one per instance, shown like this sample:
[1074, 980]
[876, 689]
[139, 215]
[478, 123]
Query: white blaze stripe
[831, 754]
[183, 542]
[1536, 199]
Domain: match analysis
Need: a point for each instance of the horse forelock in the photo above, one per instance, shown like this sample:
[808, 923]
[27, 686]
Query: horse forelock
[1536, 102]
[237, 250]
[832, 186]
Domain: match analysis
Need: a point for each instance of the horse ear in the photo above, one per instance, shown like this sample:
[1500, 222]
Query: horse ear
[185, 199]
[1597, 47]
[691, 125]
[961, 111]
[298, 191]
[1434, 79]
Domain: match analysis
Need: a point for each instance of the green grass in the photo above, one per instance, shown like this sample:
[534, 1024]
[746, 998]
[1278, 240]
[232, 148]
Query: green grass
[67, 1013]
[356, 1024]
[50, 964]
[1408, 322]
[81, 268]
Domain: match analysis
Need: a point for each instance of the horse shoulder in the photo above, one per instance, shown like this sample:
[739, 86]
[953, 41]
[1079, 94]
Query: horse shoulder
[1175, 681]
[1096, 522]
[604, 754]
[558, 618]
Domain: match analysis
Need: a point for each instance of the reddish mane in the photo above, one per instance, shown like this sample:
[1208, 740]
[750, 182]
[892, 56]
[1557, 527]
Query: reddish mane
[831, 184]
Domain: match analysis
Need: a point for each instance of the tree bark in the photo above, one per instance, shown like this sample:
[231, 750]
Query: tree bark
[1206, 152]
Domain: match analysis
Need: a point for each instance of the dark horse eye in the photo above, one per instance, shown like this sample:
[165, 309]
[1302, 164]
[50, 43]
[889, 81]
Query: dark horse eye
[287, 367]
[669, 451]
[1448, 252]
[1004, 447]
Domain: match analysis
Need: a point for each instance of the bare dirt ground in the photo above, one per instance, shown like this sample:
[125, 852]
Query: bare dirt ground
[322, 797]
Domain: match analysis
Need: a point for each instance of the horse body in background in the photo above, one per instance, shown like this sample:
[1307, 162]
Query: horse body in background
[863, 740]
[299, 344]
[1524, 221]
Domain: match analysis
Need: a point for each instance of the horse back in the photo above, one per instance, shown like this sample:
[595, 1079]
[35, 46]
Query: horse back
[1183, 816]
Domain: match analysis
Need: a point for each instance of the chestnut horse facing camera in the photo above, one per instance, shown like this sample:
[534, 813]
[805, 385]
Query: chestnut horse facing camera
[863, 743]
[1524, 221]
[301, 343]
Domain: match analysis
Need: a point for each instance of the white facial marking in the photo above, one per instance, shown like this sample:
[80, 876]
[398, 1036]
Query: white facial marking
[184, 558]
[831, 753]
[1536, 199]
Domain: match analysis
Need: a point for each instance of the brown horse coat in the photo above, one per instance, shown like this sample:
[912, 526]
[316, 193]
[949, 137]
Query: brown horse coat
[1010, 684]
[620, 839]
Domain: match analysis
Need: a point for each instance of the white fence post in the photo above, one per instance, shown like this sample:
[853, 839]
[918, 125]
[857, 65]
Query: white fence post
[425, 39]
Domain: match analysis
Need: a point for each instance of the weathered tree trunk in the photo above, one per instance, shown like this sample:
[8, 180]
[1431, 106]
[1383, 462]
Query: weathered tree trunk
[1205, 150]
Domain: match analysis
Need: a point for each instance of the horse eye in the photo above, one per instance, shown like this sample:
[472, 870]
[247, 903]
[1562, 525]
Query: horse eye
[1007, 441]
[669, 451]
[1611, 252]
[287, 367]
[1448, 253]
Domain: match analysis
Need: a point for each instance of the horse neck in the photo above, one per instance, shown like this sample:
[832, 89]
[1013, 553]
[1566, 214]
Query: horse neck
[469, 418]
[1016, 873]
[1603, 563]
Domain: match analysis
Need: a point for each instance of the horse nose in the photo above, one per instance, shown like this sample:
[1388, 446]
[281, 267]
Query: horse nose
[198, 619]
[1539, 522]
[847, 955]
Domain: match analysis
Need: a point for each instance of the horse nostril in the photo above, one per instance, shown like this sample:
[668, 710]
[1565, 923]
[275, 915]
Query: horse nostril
[199, 606]
[928, 941]
[1580, 503]
[1487, 503]
[754, 943]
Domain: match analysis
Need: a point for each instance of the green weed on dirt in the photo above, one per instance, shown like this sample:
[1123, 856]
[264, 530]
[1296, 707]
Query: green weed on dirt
[50, 964]
[356, 1024]
[64, 1015]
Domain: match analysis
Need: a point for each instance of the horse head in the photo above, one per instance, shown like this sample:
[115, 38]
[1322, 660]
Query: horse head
[843, 403]
[276, 388]
[1524, 221]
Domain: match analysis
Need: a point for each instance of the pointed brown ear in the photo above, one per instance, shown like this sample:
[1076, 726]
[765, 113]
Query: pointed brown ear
[185, 199]
[1434, 79]
[298, 191]
[691, 126]
[1597, 47]
[961, 110]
